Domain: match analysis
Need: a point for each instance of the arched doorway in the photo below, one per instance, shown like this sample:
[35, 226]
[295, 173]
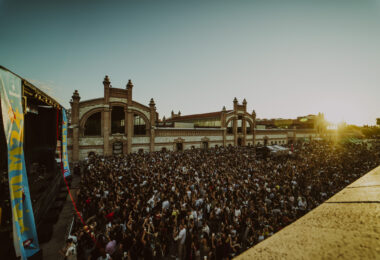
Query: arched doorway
[265, 140]
[179, 147]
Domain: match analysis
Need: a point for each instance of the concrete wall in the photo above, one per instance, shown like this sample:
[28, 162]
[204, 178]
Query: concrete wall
[230, 138]
[121, 100]
[90, 141]
[189, 137]
[144, 148]
[171, 139]
[141, 140]
[83, 152]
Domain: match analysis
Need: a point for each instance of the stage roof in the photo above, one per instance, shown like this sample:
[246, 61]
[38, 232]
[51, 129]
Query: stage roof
[31, 91]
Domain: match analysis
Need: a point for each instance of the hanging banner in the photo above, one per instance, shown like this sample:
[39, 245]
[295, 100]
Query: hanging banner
[24, 229]
[65, 159]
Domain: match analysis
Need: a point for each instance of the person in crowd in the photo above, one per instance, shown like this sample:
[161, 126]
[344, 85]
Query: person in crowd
[205, 204]
[70, 250]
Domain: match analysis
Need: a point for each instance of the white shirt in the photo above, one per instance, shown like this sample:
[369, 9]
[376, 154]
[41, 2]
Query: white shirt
[106, 258]
[182, 236]
[199, 202]
[206, 229]
[302, 204]
[165, 204]
[194, 213]
[74, 238]
[71, 251]
[151, 202]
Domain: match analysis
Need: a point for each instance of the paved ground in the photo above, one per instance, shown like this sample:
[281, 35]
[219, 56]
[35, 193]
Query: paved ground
[60, 230]
[347, 226]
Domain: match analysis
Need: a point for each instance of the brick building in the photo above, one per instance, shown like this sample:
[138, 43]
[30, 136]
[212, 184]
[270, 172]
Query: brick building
[117, 124]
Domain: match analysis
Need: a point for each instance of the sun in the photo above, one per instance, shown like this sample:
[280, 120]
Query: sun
[337, 112]
[334, 120]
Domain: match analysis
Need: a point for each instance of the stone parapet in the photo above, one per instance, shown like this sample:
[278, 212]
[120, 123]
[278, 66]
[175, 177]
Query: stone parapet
[346, 226]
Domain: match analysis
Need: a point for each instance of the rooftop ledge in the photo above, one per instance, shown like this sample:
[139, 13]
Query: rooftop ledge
[347, 226]
[184, 128]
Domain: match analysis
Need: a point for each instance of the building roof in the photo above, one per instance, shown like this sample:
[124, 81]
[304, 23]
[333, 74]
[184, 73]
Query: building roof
[196, 116]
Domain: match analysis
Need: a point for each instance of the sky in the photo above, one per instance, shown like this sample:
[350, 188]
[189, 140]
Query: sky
[286, 58]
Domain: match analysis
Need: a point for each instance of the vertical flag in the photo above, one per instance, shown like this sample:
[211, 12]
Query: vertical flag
[24, 229]
[65, 161]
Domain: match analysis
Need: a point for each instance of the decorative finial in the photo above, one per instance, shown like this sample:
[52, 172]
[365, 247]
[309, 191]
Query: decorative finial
[224, 108]
[129, 85]
[179, 113]
[76, 95]
[235, 100]
[151, 103]
[253, 114]
[106, 80]
[244, 102]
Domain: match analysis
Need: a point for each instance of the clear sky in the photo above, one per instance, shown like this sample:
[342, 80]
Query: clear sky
[287, 58]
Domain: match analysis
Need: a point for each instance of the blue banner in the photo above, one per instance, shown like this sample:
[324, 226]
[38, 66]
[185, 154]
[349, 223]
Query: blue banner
[65, 159]
[24, 229]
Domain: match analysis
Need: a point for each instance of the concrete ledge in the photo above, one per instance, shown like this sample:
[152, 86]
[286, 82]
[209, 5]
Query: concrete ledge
[347, 226]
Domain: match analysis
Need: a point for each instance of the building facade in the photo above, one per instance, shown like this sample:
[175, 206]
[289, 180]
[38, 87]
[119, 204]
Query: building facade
[117, 124]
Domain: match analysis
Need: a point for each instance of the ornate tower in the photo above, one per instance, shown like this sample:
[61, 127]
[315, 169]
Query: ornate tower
[152, 107]
[235, 103]
[254, 126]
[75, 124]
[245, 105]
[223, 124]
[129, 90]
[106, 116]
[235, 126]
[107, 85]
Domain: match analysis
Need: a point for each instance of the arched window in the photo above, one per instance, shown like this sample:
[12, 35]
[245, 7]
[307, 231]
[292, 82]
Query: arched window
[92, 127]
[117, 120]
[139, 125]
[249, 127]
[230, 127]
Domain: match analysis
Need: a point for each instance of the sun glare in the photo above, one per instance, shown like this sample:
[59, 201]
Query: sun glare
[337, 112]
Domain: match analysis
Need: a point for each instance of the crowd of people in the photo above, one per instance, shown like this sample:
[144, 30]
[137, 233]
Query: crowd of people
[204, 204]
